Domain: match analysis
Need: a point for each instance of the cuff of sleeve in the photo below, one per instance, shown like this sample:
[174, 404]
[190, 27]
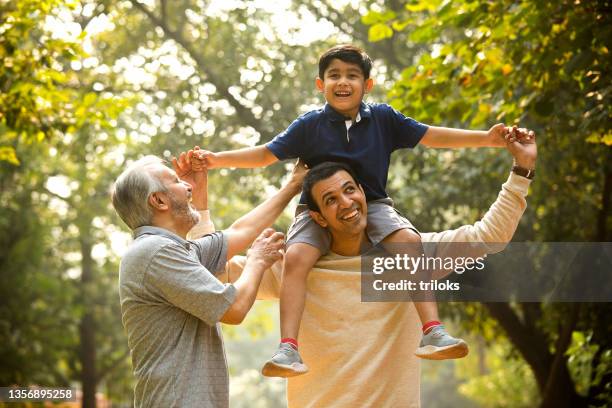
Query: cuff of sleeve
[275, 150]
[205, 217]
[203, 227]
[518, 184]
[229, 297]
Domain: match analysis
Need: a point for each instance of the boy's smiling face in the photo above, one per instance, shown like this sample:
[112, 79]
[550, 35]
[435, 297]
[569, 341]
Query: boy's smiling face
[344, 85]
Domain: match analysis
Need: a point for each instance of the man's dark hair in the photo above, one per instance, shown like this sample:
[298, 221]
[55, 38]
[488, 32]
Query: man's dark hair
[347, 53]
[320, 172]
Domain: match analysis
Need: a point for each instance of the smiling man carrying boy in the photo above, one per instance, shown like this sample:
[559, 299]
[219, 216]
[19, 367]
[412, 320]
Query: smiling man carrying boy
[363, 135]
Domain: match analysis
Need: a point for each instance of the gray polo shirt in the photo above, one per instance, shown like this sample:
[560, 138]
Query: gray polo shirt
[171, 304]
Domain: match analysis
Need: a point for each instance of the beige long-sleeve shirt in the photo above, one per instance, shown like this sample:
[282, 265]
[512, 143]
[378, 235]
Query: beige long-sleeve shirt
[362, 354]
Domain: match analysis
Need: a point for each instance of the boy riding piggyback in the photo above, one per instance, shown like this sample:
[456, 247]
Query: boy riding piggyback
[363, 135]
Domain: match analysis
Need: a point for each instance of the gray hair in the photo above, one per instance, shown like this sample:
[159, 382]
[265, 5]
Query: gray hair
[131, 191]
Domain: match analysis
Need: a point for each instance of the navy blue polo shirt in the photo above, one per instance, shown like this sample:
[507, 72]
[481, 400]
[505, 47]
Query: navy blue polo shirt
[320, 135]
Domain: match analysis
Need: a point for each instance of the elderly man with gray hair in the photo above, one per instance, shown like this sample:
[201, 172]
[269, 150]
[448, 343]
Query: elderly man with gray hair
[171, 299]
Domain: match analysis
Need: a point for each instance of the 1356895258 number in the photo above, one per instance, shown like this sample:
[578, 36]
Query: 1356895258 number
[36, 394]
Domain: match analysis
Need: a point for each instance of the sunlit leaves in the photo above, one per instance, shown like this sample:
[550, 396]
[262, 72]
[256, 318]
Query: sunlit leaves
[379, 32]
[7, 154]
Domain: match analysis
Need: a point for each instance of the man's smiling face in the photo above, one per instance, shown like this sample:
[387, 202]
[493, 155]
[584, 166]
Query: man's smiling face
[344, 85]
[342, 204]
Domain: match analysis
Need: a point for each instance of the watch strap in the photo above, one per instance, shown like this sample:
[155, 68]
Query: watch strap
[521, 171]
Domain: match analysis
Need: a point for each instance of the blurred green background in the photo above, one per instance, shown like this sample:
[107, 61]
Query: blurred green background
[87, 86]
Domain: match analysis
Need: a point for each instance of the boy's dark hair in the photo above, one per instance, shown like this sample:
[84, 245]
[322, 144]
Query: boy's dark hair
[320, 172]
[347, 53]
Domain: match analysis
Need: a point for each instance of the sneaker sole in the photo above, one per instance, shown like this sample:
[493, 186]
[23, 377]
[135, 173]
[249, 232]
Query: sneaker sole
[271, 369]
[453, 351]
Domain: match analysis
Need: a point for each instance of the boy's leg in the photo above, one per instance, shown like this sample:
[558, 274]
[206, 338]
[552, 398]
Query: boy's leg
[427, 309]
[436, 343]
[299, 260]
[305, 244]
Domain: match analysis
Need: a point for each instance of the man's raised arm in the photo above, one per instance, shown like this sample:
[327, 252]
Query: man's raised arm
[244, 230]
[498, 225]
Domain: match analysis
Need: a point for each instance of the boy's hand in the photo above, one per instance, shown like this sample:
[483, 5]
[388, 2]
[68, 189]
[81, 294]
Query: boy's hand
[198, 163]
[210, 158]
[497, 134]
[190, 166]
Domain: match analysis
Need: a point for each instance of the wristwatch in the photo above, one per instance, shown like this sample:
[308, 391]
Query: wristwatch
[521, 171]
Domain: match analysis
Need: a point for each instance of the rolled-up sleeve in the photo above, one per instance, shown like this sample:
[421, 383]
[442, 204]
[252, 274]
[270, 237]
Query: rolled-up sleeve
[211, 250]
[289, 143]
[405, 131]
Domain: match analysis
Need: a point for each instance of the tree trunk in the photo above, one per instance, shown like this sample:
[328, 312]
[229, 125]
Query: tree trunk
[560, 390]
[552, 376]
[87, 329]
[530, 342]
[604, 212]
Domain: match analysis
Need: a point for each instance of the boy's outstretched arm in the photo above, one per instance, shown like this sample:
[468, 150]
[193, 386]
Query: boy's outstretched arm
[247, 158]
[442, 137]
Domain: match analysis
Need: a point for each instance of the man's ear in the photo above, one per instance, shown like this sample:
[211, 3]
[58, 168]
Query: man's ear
[318, 218]
[319, 84]
[369, 84]
[159, 201]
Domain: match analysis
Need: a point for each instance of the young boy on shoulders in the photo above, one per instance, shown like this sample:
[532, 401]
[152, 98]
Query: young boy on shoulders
[362, 135]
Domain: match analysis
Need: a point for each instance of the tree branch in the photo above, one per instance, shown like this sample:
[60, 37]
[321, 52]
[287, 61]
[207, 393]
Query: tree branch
[164, 11]
[245, 114]
[383, 50]
[55, 195]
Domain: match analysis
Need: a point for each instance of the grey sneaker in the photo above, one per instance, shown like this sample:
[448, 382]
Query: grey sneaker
[286, 362]
[439, 345]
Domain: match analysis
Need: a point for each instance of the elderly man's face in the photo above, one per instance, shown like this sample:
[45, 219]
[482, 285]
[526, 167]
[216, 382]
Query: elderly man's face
[179, 197]
[342, 203]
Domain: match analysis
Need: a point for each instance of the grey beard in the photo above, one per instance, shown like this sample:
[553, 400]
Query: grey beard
[183, 211]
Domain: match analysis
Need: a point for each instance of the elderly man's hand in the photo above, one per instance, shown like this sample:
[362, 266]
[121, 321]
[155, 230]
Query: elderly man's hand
[191, 168]
[266, 248]
[521, 143]
[210, 159]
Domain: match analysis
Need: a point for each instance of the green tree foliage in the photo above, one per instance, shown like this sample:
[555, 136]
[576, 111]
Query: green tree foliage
[38, 96]
[59, 313]
[156, 77]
